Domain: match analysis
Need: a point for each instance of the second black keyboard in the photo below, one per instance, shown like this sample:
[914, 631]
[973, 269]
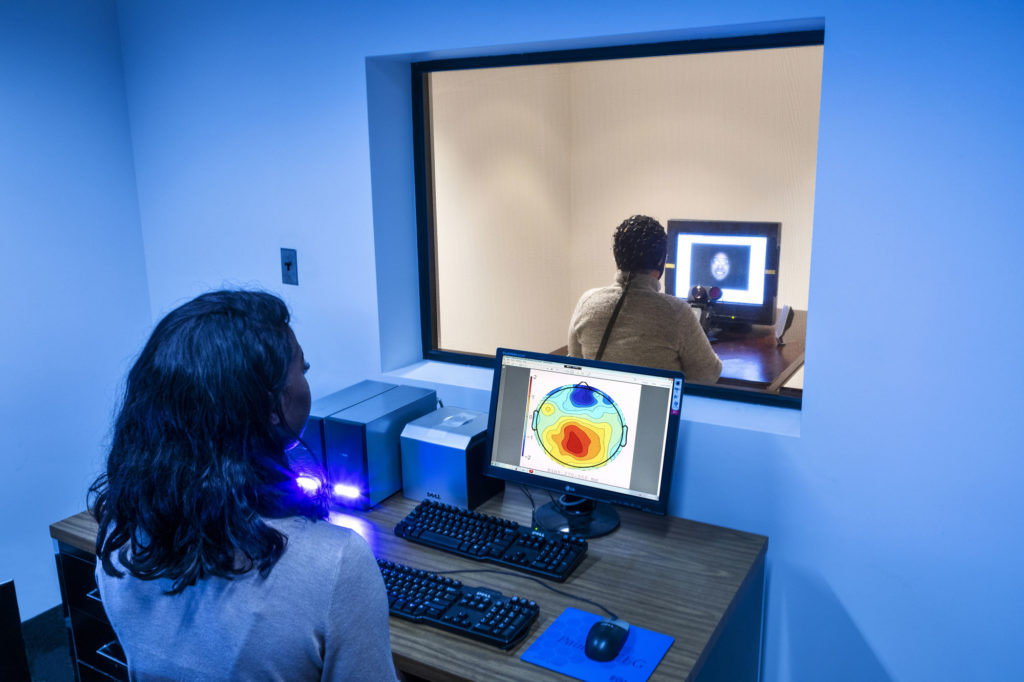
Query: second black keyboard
[493, 539]
[476, 612]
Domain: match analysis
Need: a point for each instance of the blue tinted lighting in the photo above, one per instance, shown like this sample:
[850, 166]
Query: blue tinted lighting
[359, 525]
[309, 484]
[349, 491]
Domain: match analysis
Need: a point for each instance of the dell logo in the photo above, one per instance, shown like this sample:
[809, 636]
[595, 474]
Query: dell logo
[434, 495]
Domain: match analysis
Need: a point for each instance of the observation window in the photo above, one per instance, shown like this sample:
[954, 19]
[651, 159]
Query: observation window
[526, 163]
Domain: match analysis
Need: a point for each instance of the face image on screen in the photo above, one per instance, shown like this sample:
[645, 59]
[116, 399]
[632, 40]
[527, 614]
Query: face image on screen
[723, 265]
[735, 264]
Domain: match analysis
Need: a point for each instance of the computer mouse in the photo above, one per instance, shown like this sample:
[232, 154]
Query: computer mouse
[605, 639]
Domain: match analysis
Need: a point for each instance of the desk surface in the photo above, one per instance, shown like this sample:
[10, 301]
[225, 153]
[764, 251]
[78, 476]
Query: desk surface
[665, 574]
[755, 357]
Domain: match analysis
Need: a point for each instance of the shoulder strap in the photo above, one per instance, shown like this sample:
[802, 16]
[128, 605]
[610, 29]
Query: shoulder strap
[615, 314]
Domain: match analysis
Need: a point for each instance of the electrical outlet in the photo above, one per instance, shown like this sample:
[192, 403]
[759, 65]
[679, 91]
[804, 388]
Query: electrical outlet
[289, 267]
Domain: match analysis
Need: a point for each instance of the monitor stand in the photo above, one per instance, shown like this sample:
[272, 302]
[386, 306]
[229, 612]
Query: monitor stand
[577, 516]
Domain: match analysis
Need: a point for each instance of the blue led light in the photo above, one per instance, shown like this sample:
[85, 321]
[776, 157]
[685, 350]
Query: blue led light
[349, 491]
[309, 484]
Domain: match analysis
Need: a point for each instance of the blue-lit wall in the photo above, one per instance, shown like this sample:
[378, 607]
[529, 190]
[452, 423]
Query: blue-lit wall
[75, 306]
[891, 501]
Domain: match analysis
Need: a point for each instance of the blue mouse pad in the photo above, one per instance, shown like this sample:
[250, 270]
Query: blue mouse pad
[560, 648]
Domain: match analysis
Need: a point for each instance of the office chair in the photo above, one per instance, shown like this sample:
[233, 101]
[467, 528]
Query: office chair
[13, 659]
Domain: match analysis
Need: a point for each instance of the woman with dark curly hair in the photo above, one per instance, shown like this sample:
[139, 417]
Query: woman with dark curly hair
[212, 563]
[632, 321]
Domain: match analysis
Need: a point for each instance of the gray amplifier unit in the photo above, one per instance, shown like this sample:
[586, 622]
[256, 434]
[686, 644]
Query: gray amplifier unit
[443, 456]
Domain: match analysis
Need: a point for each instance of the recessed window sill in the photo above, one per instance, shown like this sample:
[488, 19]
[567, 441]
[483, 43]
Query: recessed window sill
[470, 387]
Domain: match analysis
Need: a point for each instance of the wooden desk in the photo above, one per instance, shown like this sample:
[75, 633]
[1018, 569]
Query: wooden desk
[701, 584]
[755, 360]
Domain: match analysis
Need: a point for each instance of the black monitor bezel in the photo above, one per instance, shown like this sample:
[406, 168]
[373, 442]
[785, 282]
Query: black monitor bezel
[733, 312]
[658, 506]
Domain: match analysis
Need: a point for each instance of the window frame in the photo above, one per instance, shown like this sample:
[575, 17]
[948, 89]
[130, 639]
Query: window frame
[424, 189]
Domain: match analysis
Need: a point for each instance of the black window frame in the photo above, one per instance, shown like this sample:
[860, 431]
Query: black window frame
[424, 191]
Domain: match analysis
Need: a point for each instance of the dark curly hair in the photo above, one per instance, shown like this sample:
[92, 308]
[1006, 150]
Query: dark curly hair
[195, 462]
[639, 243]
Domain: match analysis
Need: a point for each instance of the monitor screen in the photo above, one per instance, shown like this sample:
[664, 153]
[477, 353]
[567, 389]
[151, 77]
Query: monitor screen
[740, 258]
[593, 430]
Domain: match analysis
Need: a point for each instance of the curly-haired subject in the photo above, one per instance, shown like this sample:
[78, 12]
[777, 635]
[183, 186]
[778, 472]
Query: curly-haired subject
[632, 322]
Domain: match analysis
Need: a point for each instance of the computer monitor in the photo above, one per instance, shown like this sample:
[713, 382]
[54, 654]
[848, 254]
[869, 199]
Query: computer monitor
[740, 258]
[596, 432]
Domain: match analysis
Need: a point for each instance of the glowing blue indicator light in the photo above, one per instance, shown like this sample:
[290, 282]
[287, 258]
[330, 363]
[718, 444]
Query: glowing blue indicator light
[349, 491]
[308, 484]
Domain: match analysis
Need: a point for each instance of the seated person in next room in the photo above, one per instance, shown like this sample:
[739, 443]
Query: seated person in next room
[651, 329]
[213, 565]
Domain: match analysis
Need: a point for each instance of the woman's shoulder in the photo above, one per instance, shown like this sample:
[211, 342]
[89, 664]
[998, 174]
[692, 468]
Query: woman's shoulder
[323, 554]
[659, 303]
[319, 541]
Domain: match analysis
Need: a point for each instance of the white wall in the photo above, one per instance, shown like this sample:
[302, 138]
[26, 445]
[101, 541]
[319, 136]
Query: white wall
[718, 136]
[249, 132]
[73, 281]
[502, 149]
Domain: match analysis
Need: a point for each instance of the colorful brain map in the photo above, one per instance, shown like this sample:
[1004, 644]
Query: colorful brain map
[579, 426]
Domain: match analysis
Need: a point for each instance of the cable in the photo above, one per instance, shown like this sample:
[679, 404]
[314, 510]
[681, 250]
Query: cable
[529, 496]
[536, 580]
[533, 506]
[557, 504]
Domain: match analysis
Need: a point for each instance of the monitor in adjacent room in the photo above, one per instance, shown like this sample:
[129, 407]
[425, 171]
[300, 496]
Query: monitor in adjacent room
[739, 258]
[595, 432]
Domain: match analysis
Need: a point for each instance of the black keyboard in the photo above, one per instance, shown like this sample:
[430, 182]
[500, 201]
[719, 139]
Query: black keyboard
[475, 612]
[491, 538]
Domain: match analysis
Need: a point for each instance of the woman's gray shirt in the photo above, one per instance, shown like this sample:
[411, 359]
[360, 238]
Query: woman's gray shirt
[321, 614]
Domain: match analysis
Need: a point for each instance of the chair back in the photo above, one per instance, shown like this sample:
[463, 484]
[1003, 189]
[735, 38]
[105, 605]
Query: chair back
[13, 659]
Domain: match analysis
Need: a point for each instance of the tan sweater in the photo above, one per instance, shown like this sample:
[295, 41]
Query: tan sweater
[653, 329]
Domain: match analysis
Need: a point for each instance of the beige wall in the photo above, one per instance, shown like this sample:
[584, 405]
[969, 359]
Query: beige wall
[534, 167]
[501, 167]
